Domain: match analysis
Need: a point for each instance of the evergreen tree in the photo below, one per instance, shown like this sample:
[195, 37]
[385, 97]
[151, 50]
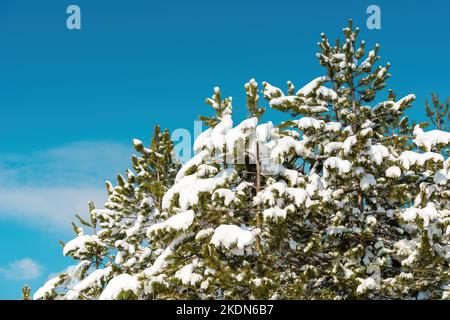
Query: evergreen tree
[117, 244]
[438, 112]
[344, 199]
[26, 292]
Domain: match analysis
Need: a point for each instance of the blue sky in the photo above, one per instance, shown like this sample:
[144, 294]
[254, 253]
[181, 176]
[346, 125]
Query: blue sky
[71, 101]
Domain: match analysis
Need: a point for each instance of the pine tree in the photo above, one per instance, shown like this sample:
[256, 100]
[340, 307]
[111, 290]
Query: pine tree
[26, 292]
[117, 243]
[370, 229]
[438, 112]
[344, 199]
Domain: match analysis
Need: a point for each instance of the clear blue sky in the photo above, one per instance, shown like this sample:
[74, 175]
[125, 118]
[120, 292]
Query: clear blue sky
[70, 101]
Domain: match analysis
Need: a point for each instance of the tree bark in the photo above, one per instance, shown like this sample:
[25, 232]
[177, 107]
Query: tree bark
[258, 189]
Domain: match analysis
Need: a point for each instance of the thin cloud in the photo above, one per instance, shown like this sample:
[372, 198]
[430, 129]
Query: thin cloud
[48, 207]
[47, 188]
[23, 269]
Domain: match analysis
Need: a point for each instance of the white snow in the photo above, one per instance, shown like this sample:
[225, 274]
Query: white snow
[378, 152]
[204, 170]
[264, 132]
[299, 195]
[213, 137]
[194, 161]
[203, 140]
[227, 194]
[267, 196]
[243, 130]
[293, 244]
[94, 280]
[161, 262]
[331, 147]
[284, 101]
[231, 235]
[366, 132]
[348, 144]
[367, 181]
[122, 282]
[315, 184]
[148, 201]
[406, 99]
[260, 281]
[312, 109]
[427, 214]
[371, 220]
[284, 147]
[242, 187]
[332, 126]
[348, 129]
[441, 177]
[395, 106]
[430, 139]
[274, 213]
[447, 165]
[393, 172]
[366, 63]
[337, 230]
[137, 142]
[178, 222]
[80, 244]
[204, 233]
[187, 275]
[270, 91]
[308, 122]
[342, 166]
[279, 190]
[368, 123]
[326, 93]
[382, 72]
[406, 248]
[366, 285]
[311, 86]
[290, 174]
[47, 288]
[411, 158]
[190, 186]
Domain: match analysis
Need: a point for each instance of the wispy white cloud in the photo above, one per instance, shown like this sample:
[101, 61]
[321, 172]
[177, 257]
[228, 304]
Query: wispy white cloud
[79, 163]
[23, 269]
[48, 206]
[46, 188]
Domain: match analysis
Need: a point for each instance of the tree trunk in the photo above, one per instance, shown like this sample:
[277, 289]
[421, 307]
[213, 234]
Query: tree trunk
[258, 189]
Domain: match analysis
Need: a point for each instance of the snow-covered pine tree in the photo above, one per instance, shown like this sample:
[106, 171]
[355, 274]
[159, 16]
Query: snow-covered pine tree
[342, 216]
[217, 245]
[345, 199]
[117, 245]
[378, 223]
